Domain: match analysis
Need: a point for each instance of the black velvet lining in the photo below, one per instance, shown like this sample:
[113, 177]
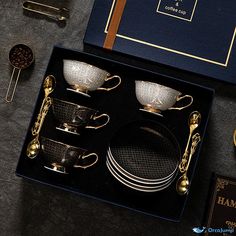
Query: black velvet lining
[122, 106]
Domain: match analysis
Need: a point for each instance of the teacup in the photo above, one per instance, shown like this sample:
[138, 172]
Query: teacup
[60, 157]
[83, 77]
[156, 98]
[72, 117]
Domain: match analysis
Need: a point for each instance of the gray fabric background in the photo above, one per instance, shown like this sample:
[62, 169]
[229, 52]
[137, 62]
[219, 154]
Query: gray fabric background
[27, 208]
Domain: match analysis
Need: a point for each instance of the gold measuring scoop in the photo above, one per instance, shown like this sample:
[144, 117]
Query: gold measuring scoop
[21, 57]
[34, 145]
[58, 14]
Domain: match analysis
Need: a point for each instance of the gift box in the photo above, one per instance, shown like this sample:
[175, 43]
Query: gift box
[196, 36]
[123, 108]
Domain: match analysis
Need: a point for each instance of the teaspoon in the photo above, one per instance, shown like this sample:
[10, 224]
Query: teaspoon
[182, 184]
[34, 145]
[193, 123]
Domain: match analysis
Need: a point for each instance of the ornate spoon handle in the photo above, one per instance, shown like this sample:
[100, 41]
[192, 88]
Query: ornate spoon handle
[41, 116]
[195, 140]
[183, 166]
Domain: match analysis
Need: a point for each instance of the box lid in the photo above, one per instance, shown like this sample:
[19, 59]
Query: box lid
[193, 35]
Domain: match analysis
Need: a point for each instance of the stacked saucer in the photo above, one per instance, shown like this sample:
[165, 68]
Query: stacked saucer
[144, 155]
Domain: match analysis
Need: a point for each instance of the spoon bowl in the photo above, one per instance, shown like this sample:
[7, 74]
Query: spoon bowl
[33, 148]
[194, 120]
[182, 185]
[49, 84]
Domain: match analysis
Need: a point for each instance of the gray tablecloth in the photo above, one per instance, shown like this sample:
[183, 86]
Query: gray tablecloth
[27, 208]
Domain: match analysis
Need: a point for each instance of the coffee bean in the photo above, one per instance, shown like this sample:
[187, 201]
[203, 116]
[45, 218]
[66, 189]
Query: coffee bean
[21, 56]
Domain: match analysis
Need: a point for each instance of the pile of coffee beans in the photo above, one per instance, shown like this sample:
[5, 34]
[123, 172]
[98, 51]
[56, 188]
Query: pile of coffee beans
[21, 56]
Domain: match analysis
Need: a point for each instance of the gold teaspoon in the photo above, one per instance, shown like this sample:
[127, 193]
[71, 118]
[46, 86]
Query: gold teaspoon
[34, 145]
[182, 184]
[193, 123]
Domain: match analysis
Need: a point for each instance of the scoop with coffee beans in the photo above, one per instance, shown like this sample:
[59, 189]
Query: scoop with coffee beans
[20, 56]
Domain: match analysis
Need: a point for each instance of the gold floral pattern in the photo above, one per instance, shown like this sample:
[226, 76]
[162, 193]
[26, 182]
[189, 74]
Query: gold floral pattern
[221, 183]
[231, 224]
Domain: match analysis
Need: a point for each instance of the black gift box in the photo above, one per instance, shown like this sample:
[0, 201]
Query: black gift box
[122, 106]
[193, 35]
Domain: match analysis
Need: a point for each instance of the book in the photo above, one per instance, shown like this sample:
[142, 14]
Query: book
[221, 212]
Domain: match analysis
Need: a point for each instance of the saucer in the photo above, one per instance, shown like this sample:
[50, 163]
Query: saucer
[136, 186]
[58, 169]
[154, 113]
[67, 131]
[79, 92]
[133, 178]
[145, 151]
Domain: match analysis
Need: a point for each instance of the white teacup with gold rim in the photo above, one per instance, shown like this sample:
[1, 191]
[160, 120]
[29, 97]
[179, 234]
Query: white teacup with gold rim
[83, 77]
[156, 98]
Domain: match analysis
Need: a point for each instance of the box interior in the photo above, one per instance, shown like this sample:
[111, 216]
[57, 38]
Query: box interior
[122, 106]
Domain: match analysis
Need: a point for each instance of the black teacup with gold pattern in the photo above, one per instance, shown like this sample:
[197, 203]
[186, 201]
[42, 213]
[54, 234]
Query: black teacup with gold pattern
[72, 117]
[61, 157]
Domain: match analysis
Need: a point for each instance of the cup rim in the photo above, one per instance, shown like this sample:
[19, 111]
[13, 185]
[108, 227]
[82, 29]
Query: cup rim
[87, 64]
[74, 104]
[153, 83]
[64, 144]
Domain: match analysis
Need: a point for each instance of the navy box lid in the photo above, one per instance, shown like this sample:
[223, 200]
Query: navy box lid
[193, 35]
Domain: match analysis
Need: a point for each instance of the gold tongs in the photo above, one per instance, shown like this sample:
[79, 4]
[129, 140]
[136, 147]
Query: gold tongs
[58, 14]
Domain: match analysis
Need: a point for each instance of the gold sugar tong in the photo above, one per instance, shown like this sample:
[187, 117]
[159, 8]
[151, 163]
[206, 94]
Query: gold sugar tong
[58, 14]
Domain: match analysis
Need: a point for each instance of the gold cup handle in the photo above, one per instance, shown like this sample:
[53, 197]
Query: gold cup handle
[179, 98]
[98, 117]
[110, 78]
[87, 156]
